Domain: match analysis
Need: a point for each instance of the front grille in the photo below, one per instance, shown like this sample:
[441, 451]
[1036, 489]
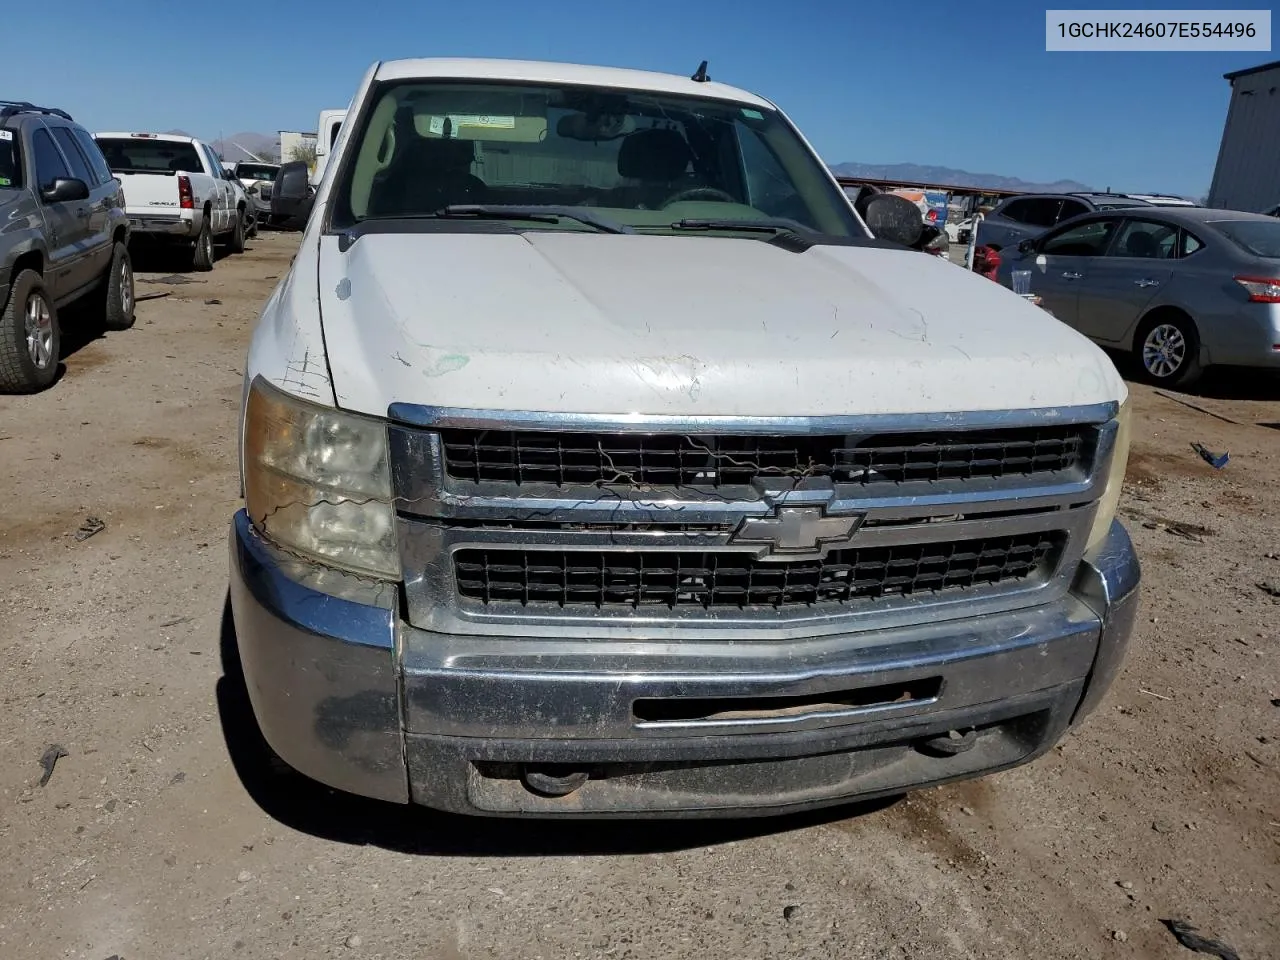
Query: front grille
[725, 579]
[582, 459]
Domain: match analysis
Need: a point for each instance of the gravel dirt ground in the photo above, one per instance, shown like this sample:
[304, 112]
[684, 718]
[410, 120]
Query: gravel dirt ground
[166, 832]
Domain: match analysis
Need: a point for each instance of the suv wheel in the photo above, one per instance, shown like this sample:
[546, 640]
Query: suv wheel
[202, 256]
[117, 313]
[29, 340]
[1168, 350]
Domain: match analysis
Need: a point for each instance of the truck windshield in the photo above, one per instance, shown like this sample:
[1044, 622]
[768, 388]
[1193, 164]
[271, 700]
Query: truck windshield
[646, 160]
[138, 155]
[10, 162]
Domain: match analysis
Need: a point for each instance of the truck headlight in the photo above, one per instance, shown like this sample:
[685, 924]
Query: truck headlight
[1110, 499]
[317, 482]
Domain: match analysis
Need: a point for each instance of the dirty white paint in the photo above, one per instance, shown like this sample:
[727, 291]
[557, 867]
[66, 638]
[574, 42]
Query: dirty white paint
[287, 348]
[674, 325]
[579, 322]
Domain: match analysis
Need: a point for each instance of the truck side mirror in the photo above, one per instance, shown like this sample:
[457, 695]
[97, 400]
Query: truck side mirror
[65, 190]
[895, 218]
[292, 196]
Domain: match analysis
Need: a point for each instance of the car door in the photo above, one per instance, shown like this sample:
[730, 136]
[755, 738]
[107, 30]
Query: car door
[1119, 285]
[97, 240]
[1062, 260]
[68, 223]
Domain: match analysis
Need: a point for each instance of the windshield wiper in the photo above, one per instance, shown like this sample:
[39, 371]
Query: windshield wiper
[532, 213]
[768, 225]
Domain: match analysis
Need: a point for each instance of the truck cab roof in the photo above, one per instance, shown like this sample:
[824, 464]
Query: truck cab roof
[537, 71]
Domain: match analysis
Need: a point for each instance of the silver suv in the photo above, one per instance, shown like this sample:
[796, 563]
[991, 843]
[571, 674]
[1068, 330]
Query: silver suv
[1028, 215]
[65, 237]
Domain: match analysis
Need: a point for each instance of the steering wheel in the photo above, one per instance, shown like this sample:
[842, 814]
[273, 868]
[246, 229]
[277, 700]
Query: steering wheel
[699, 193]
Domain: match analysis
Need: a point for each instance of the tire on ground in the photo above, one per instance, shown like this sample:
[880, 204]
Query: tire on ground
[236, 243]
[19, 371]
[202, 255]
[117, 308]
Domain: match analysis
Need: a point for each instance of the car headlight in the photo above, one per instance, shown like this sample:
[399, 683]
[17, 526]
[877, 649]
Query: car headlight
[317, 482]
[1110, 499]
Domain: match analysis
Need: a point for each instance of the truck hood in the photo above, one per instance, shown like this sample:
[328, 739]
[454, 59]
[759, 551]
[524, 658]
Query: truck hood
[685, 325]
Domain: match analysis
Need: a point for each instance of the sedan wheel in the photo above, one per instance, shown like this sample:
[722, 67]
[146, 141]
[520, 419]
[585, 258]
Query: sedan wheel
[1164, 351]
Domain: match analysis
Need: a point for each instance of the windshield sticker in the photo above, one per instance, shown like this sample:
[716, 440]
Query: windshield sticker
[436, 124]
[494, 123]
[6, 134]
[752, 114]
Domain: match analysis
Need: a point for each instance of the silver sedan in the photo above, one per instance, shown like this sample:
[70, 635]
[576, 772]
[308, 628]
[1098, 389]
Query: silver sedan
[1179, 288]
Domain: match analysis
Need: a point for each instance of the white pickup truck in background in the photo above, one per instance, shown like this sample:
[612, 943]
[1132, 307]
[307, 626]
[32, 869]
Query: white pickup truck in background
[176, 189]
[327, 129]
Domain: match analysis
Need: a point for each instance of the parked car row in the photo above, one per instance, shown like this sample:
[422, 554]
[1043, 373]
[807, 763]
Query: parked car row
[177, 191]
[71, 203]
[1027, 215]
[1179, 288]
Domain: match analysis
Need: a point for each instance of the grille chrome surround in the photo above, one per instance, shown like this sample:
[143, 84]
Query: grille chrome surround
[443, 517]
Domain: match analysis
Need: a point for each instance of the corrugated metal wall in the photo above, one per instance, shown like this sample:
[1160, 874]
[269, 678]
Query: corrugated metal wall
[1247, 176]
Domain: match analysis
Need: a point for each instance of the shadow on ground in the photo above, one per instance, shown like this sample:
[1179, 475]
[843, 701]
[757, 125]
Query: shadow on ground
[310, 807]
[1218, 383]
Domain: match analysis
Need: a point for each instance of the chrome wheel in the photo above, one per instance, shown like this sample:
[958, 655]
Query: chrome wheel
[1164, 351]
[207, 243]
[39, 330]
[126, 288]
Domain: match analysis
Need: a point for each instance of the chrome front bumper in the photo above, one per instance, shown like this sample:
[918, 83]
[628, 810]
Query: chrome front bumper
[350, 694]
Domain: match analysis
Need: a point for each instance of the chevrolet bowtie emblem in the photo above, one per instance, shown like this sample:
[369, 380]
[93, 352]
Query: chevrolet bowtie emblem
[794, 532]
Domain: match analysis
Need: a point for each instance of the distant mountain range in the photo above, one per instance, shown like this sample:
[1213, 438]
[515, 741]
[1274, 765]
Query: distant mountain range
[917, 173]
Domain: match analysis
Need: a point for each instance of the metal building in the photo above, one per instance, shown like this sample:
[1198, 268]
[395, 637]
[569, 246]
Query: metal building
[1247, 176]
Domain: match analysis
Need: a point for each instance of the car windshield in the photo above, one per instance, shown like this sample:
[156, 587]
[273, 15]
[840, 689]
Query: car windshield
[142, 155]
[10, 162]
[256, 171]
[1259, 237]
[636, 158]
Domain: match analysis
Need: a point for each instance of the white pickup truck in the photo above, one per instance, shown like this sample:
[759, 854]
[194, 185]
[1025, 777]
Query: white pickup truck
[600, 459]
[328, 127]
[176, 190]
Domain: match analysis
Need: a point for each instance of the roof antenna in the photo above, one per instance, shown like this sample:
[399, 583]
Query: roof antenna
[701, 75]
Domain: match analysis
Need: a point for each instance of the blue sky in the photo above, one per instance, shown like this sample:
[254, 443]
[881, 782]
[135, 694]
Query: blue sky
[962, 85]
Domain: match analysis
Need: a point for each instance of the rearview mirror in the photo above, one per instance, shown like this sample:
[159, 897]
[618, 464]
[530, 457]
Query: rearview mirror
[65, 190]
[579, 126]
[895, 218]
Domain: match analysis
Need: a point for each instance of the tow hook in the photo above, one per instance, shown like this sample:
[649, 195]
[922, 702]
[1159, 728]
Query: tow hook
[553, 781]
[952, 742]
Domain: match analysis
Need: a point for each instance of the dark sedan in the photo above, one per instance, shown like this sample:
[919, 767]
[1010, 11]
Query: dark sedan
[1179, 288]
